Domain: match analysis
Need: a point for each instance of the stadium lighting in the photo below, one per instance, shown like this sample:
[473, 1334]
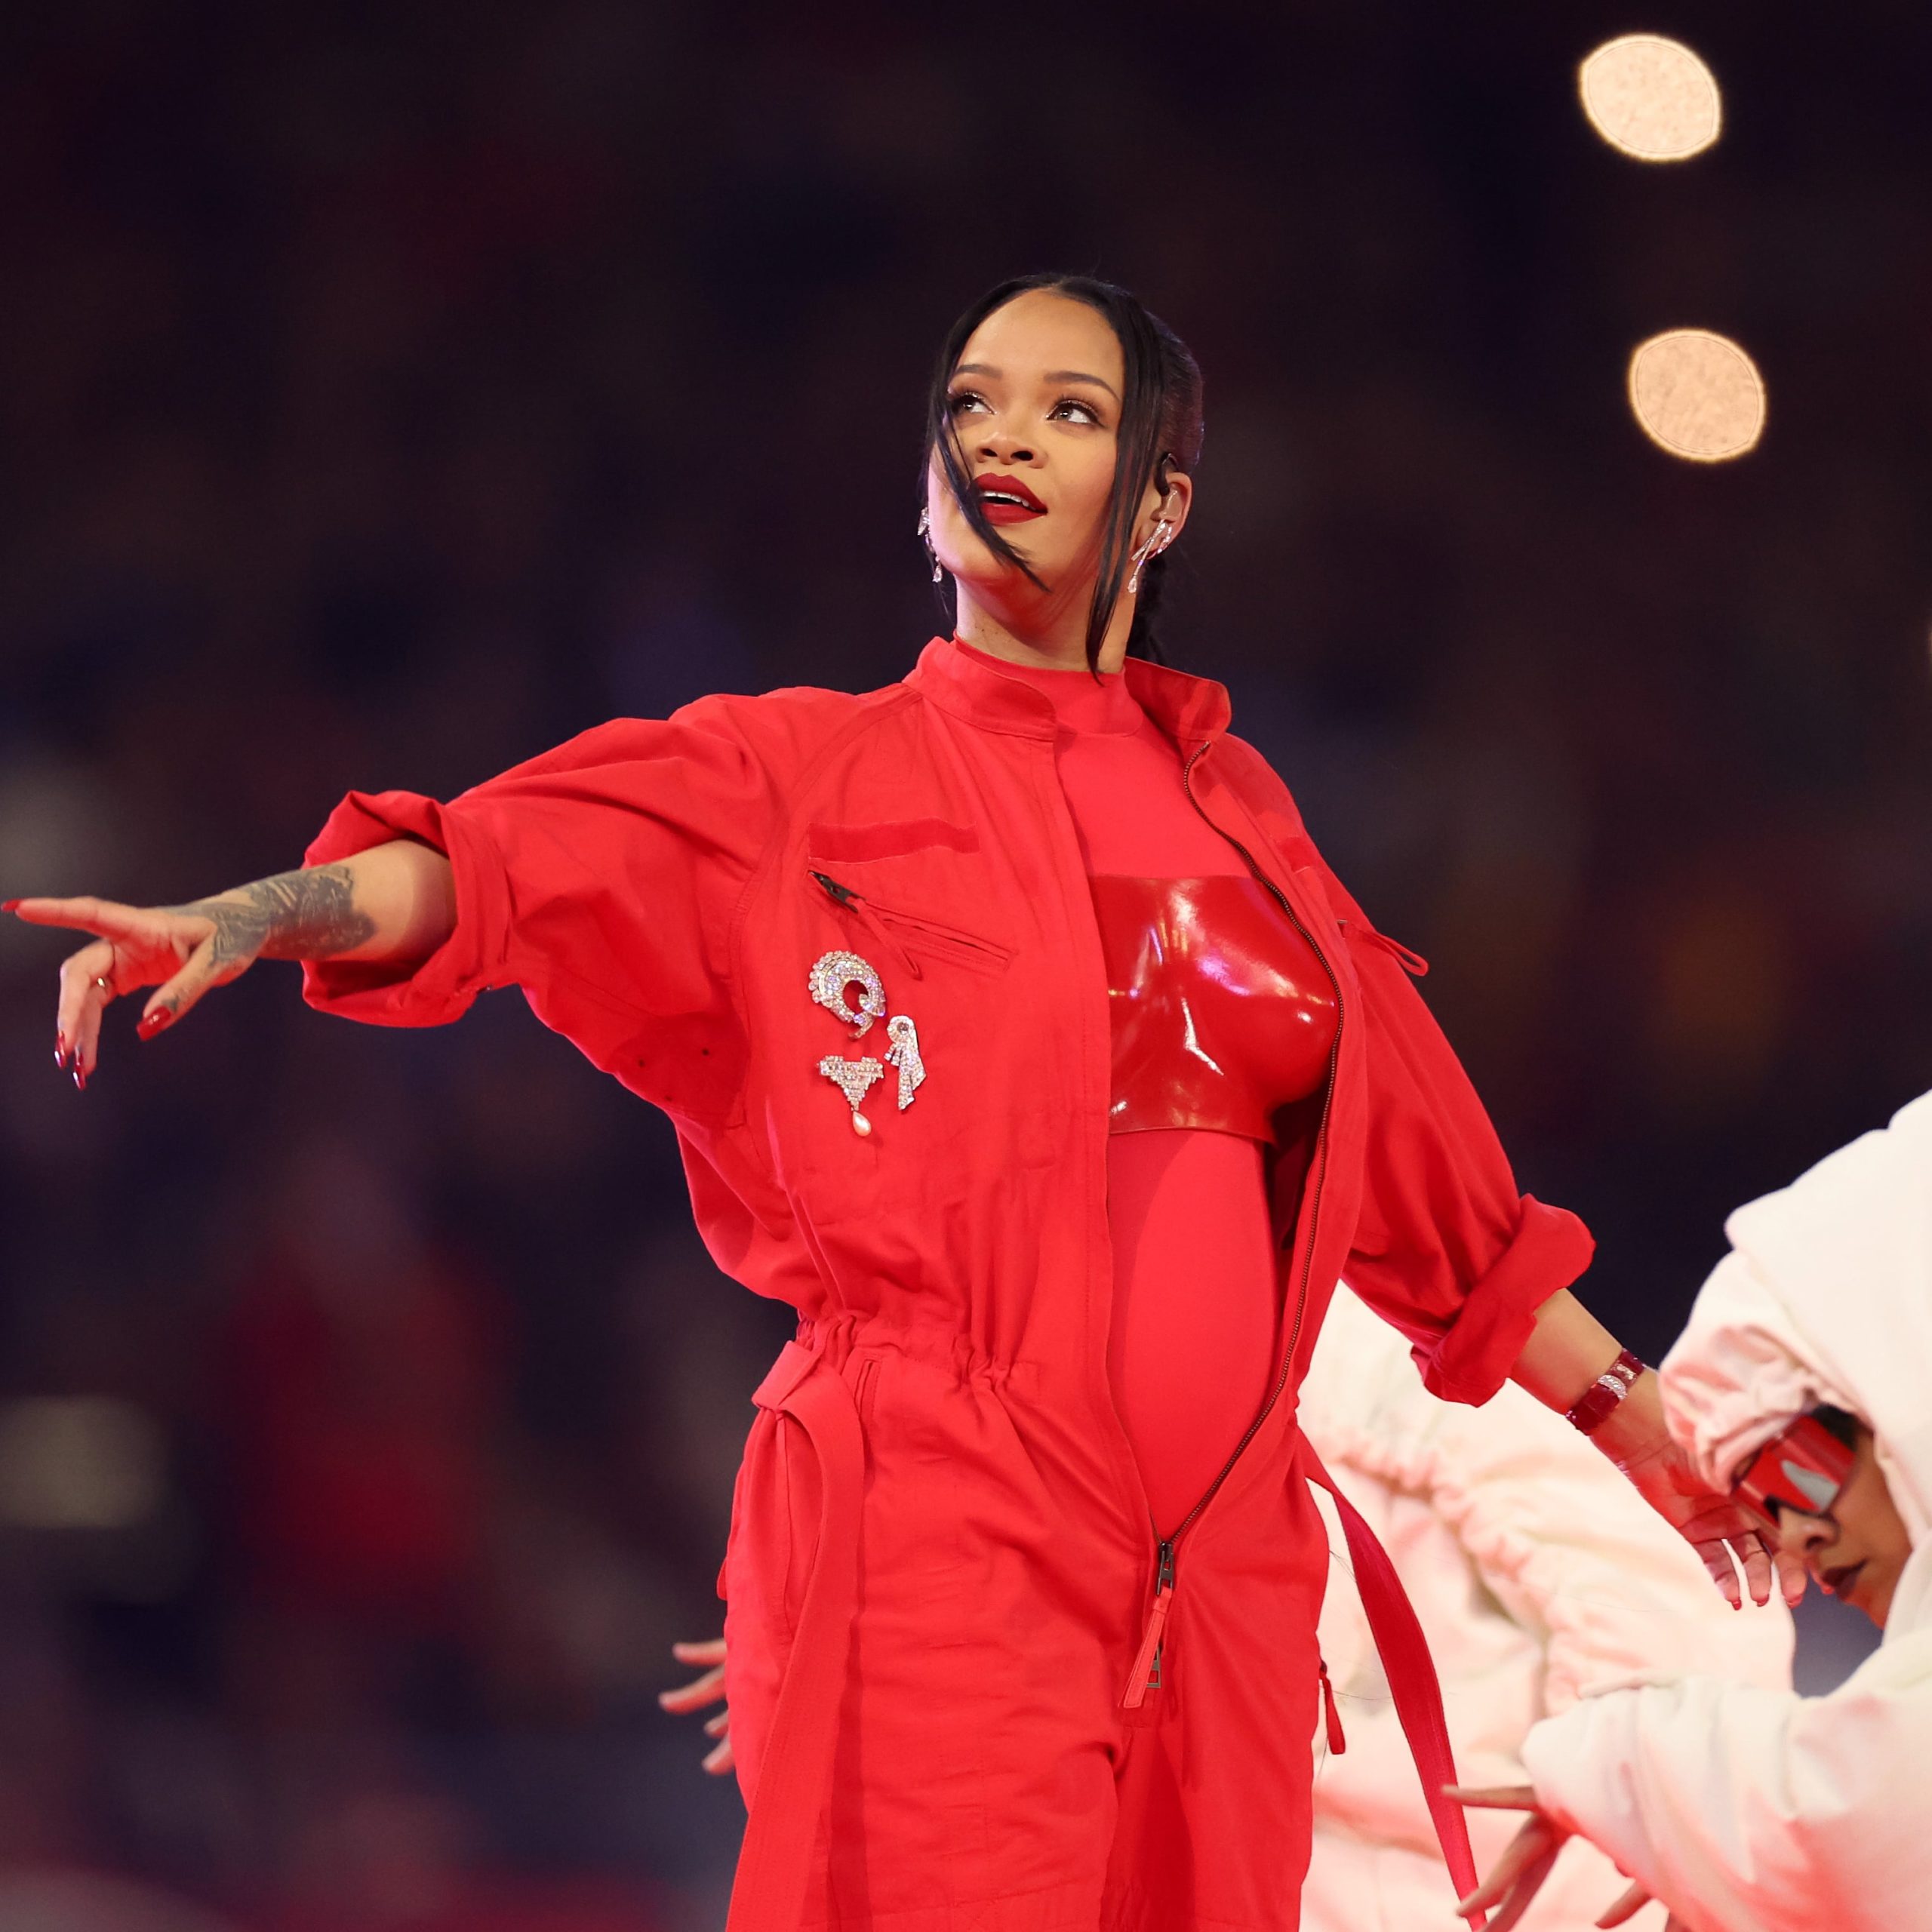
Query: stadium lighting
[1697, 395]
[1651, 98]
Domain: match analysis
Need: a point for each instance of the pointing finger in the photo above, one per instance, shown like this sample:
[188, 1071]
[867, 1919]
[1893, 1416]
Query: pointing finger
[108, 917]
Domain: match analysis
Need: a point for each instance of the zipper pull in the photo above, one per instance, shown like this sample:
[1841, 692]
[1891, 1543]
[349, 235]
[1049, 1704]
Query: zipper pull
[854, 903]
[1331, 1717]
[1145, 1674]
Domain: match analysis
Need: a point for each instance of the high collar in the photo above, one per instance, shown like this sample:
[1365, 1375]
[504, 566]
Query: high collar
[998, 697]
[1083, 706]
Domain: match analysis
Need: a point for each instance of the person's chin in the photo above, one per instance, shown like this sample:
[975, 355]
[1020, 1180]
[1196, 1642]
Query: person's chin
[991, 576]
[1866, 1586]
[1874, 1593]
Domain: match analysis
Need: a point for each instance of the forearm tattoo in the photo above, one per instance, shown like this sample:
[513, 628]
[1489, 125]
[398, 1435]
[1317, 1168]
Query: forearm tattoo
[309, 914]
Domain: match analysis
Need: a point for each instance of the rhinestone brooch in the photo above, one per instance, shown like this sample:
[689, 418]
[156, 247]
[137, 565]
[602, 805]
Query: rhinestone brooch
[854, 1078]
[832, 973]
[904, 1054]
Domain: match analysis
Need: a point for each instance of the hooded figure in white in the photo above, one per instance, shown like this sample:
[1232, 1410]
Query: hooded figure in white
[1538, 1571]
[1747, 1810]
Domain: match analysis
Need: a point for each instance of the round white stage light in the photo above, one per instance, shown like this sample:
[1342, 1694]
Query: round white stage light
[1651, 98]
[1697, 395]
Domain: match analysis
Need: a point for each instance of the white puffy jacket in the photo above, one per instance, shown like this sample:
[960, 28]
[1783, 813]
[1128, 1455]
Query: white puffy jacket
[1537, 1571]
[1748, 1810]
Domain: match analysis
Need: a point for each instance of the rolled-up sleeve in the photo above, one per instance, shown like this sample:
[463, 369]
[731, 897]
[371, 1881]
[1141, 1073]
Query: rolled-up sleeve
[471, 958]
[602, 878]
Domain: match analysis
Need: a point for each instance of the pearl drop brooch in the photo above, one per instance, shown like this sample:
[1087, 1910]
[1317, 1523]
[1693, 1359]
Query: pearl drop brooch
[833, 974]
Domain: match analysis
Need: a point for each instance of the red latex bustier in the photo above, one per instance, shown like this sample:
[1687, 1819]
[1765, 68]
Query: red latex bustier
[1222, 1013]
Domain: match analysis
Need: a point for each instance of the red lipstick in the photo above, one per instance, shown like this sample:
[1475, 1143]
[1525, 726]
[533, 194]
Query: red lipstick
[1842, 1580]
[1007, 499]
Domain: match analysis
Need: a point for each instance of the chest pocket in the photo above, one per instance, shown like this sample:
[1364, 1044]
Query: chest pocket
[921, 905]
[918, 886]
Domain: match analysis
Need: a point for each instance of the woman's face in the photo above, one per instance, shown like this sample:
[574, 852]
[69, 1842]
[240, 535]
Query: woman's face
[1036, 401]
[1857, 1550]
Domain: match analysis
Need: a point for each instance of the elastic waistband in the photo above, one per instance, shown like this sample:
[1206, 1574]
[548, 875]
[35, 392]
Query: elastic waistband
[838, 1339]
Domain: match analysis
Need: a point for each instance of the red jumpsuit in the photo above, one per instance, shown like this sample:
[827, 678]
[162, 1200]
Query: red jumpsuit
[941, 1564]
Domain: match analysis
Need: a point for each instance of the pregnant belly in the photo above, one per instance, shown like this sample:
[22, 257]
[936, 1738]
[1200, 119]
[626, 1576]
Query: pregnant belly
[1193, 1349]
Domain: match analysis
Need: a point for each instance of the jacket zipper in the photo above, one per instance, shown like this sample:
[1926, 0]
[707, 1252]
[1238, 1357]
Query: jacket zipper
[881, 919]
[854, 903]
[1145, 1674]
[1146, 1666]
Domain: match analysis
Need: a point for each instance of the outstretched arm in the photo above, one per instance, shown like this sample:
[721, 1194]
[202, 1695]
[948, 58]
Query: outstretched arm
[394, 902]
[1567, 1349]
[1751, 1809]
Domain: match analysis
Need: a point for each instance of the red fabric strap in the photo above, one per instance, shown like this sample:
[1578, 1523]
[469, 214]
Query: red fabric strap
[1412, 1680]
[774, 1865]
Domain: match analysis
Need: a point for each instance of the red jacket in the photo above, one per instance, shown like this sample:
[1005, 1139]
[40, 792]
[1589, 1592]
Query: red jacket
[940, 1565]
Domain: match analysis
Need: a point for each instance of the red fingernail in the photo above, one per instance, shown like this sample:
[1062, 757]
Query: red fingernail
[60, 1049]
[9, 904]
[80, 1075]
[158, 1021]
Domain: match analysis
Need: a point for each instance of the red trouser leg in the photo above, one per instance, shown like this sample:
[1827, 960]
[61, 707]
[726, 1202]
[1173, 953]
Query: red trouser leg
[1214, 1779]
[969, 1778]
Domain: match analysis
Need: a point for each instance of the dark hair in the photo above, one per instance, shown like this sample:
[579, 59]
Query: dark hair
[1160, 430]
[1837, 1422]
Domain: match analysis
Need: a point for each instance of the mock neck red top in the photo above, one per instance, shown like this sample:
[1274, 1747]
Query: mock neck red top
[1223, 1017]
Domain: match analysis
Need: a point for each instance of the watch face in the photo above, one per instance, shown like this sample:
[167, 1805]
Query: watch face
[1804, 1469]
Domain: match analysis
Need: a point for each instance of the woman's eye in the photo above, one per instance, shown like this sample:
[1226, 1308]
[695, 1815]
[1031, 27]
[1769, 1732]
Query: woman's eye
[1071, 409]
[963, 401]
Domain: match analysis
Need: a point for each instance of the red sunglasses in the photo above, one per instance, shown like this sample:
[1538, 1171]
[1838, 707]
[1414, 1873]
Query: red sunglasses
[1804, 1468]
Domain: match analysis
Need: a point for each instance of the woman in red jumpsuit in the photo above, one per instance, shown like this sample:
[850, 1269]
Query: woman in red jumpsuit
[1017, 1035]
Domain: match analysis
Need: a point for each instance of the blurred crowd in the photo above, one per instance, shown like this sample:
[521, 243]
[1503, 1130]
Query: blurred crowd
[387, 393]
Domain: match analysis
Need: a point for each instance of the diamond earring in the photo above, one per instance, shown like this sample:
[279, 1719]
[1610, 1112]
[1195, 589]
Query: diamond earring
[925, 538]
[1148, 551]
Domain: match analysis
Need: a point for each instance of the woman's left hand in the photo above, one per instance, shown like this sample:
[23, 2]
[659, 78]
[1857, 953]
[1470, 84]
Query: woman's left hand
[1723, 1534]
[1567, 1348]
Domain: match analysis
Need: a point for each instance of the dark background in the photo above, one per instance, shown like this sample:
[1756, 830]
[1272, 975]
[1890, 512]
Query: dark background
[387, 392]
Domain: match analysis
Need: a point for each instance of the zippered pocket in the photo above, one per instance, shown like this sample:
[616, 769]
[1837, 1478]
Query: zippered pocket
[913, 932]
